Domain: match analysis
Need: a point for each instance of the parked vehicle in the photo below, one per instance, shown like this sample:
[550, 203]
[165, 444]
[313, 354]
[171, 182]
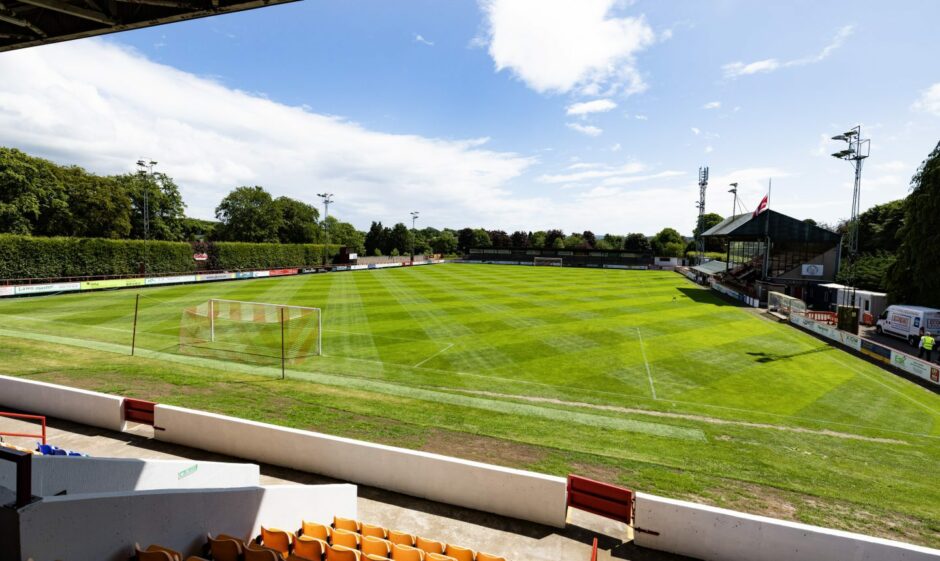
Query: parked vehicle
[906, 321]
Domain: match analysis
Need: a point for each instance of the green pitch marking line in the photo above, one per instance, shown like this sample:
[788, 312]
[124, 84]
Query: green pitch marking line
[628, 425]
[434, 355]
[649, 373]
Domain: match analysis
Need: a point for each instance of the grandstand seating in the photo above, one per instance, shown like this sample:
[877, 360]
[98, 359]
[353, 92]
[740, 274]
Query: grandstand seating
[318, 542]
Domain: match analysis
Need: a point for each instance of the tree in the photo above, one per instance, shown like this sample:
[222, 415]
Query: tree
[344, 233]
[611, 241]
[299, 221]
[445, 243]
[195, 229]
[500, 239]
[559, 243]
[375, 238]
[537, 239]
[673, 249]
[481, 238]
[589, 237]
[637, 243]
[878, 227]
[248, 214]
[709, 221]
[32, 198]
[160, 194]
[573, 241]
[913, 277]
[99, 206]
[551, 236]
[665, 237]
[868, 272]
[465, 240]
[399, 238]
[519, 239]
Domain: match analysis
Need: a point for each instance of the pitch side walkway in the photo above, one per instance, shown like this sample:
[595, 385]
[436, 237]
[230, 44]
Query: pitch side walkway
[514, 539]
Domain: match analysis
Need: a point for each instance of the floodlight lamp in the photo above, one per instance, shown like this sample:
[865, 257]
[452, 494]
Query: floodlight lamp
[839, 137]
[849, 134]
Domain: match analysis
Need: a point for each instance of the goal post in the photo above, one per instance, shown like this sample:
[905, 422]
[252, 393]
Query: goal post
[547, 261]
[251, 331]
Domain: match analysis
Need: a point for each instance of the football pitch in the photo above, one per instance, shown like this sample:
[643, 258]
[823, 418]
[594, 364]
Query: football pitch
[636, 377]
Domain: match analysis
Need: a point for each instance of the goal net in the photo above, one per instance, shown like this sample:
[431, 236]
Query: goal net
[780, 302]
[547, 261]
[251, 331]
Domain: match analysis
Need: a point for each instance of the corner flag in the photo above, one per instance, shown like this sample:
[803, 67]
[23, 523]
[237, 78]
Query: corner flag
[761, 207]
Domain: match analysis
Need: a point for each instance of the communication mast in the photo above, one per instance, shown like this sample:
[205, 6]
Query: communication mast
[702, 186]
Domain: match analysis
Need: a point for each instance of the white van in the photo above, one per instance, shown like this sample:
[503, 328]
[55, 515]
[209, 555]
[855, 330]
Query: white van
[906, 321]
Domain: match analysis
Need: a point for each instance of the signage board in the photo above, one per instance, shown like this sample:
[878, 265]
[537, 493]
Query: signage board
[813, 270]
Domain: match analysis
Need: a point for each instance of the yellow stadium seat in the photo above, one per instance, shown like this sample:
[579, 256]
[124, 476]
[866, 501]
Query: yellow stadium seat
[400, 538]
[459, 553]
[429, 546]
[277, 539]
[257, 553]
[306, 547]
[373, 530]
[440, 557]
[489, 557]
[406, 553]
[315, 530]
[340, 553]
[346, 538]
[373, 557]
[347, 524]
[372, 545]
[156, 553]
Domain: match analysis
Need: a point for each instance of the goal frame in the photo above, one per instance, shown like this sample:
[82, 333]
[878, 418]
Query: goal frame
[279, 307]
[547, 262]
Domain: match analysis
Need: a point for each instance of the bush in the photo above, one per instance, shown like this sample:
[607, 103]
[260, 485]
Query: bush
[239, 255]
[37, 257]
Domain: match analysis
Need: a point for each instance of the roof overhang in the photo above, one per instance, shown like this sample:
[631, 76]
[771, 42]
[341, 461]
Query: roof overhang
[29, 23]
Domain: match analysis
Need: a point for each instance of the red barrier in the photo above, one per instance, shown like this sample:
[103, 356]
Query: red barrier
[594, 551]
[39, 418]
[826, 317]
[603, 499]
[138, 411]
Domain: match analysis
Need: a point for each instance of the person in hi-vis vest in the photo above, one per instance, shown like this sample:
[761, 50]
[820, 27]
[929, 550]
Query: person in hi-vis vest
[929, 342]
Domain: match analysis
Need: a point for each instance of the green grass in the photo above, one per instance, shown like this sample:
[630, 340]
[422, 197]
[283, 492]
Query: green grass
[637, 377]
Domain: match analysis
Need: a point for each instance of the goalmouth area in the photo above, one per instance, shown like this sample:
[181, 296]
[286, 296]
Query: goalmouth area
[635, 377]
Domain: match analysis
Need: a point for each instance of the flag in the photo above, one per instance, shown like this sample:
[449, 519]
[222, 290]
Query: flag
[761, 207]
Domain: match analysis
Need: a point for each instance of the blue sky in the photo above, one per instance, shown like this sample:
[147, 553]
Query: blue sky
[513, 114]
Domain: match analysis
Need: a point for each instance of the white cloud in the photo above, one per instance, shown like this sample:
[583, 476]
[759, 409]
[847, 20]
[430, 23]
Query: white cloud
[596, 171]
[736, 69]
[712, 105]
[641, 117]
[709, 149]
[929, 100]
[589, 130]
[102, 106]
[587, 107]
[564, 46]
[696, 131]
[616, 147]
[420, 39]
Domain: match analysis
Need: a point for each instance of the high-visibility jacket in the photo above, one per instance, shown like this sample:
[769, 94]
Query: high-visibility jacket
[928, 342]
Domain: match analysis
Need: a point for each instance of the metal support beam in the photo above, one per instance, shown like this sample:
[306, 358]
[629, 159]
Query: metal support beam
[162, 3]
[62, 7]
[10, 16]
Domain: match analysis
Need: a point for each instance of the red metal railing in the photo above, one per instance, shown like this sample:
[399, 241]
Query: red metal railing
[39, 418]
[826, 317]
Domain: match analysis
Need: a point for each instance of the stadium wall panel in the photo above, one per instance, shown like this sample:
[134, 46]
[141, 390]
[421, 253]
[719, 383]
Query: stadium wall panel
[716, 534]
[81, 406]
[505, 491]
[178, 519]
[53, 475]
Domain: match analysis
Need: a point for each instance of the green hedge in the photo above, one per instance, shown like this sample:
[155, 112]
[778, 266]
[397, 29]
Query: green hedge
[238, 255]
[36, 257]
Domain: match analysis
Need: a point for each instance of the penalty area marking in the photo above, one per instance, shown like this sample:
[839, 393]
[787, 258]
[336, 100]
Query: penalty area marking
[649, 373]
[449, 345]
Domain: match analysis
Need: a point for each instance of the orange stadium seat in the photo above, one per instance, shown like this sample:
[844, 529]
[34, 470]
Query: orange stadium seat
[315, 530]
[340, 553]
[440, 557]
[429, 546]
[400, 538]
[277, 539]
[372, 545]
[346, 538]
[307, 547]
[489, 557]
[156, 553]
[406, 553]
[373, 530]
[225, 548]
[257, 553]
[459, 553]
[373, 557]
[346, 524]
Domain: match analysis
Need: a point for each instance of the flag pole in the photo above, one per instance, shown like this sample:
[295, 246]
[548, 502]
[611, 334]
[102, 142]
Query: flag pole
[770, 183]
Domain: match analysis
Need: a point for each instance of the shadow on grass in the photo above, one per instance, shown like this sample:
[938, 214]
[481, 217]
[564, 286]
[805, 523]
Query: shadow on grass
[770, 357]
[706, 296]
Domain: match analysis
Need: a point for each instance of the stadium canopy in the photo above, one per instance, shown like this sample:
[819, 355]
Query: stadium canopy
[778, 227]
[28, 23]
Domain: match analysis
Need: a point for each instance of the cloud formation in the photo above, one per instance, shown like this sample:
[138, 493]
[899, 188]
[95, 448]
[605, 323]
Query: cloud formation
[589, 130]
[712, 105]
[103, 106]
[738, 69]
[561, 47]
[420, 39]
[587, 107]
[929, 100]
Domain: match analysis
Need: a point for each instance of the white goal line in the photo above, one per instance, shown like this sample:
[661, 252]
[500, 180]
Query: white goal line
[263, 304]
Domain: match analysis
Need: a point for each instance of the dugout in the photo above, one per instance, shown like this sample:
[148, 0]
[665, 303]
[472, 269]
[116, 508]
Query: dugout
[577, 257]
[776, 252]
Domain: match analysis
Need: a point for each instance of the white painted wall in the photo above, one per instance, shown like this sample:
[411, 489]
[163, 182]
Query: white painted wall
[77, 475]
[52, 400]
[717, 534]
[509, 492]
[105, 526]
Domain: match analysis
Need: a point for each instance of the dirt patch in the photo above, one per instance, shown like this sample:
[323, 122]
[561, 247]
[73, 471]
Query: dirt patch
[684, 416]
[482, 448]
